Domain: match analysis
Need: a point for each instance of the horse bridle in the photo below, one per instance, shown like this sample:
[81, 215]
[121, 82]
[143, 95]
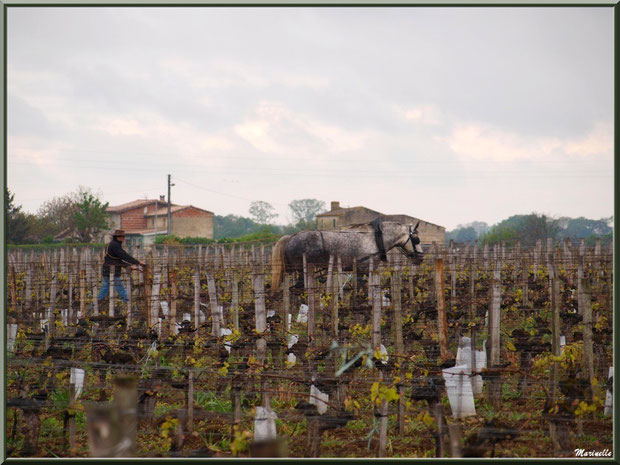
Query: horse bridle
[413, 237]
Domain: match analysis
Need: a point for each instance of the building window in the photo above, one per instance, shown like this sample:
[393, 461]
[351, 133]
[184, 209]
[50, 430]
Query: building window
[334, 223]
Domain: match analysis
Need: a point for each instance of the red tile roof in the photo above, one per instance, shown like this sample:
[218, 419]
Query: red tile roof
[174, 209]
[130, 205]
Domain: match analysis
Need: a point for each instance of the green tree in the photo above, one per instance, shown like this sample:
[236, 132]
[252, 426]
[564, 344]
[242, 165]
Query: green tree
[262, 212]
[577, 228]
[465, 235]
[233, 226]
[18, 223]
[90, 217]
[62, 214]
[304, 212]
[526, 229]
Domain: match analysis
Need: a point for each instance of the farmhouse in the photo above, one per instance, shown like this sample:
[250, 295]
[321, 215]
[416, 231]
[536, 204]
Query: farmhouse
[144, 219]
[338, 218]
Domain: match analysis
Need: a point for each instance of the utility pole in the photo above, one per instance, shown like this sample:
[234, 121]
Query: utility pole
[168, 222]
[156, 208]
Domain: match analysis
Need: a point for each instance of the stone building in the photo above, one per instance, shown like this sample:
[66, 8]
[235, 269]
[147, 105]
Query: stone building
[145, 219]
[339, 217]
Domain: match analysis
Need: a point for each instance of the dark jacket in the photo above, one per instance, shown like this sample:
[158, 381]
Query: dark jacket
[117, 257]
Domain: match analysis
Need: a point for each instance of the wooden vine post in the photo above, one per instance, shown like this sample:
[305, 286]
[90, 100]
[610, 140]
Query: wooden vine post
[147, 295]
[95, 275]
[82, 272]
[112, 290]
[332, 292]
[155, 298]
[172, 317]
[286, 305]
[51, 314]
[130, 315]
[28, 297]
[216, 317]
[440, 296]
[399, 346]
[353, 300]
[374, 282]
[495, 385]
[586, 312]
[374, 294]
[125, 403]
[235, 300]
[557, 429]
[197, 296]
[311, 284]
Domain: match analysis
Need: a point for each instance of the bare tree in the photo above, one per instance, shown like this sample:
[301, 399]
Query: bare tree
[262, 212]
[304, 212]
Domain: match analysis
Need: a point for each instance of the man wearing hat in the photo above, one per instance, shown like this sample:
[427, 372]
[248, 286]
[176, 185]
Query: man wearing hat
[117, 257]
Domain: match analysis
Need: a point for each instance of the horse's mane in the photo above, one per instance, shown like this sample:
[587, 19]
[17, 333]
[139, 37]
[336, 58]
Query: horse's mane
[358, 227]
[363, 226]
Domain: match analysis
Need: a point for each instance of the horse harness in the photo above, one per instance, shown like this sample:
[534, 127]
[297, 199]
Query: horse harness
[376, 224]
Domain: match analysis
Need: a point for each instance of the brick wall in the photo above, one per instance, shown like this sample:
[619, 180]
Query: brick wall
[133, 219]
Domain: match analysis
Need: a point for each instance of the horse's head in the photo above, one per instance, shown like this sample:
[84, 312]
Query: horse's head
[412, 247]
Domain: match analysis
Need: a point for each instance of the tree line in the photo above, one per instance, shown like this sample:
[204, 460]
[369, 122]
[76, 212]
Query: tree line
[79, 216]
[528, 229]
[82, 217]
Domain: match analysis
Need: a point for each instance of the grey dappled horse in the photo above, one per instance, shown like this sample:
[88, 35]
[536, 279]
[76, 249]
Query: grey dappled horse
[360, 242]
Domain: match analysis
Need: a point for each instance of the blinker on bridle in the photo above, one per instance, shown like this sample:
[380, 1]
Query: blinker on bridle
[413, 237]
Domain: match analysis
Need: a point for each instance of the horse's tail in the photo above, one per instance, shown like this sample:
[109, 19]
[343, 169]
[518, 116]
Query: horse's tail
[277, 263]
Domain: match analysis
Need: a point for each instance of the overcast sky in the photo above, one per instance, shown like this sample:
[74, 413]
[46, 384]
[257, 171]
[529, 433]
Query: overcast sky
[447, 114]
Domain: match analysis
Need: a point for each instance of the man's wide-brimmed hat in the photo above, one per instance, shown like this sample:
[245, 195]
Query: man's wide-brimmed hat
[118, 232]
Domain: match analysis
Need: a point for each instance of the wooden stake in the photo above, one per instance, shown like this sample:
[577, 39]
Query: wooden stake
[172, 317]
[442, 322]
[494, 386]
[259, 302]
[130, 315]
[374, 282]
[586, 311]
[83, 292]
[396, 284]
[112, 289]
[190, 401]
[216, 318]
[235, 301]
[286, 297]
[155, 299]
[196, 299]
[383, 423]
[147, 295]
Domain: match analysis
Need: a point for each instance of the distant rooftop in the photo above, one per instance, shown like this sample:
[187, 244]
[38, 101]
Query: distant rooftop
[134, 204]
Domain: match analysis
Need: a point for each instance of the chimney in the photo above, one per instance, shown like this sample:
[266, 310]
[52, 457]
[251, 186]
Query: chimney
[335, 205]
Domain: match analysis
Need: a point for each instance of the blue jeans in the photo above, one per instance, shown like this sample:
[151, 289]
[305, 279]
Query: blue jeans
[118, 286]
